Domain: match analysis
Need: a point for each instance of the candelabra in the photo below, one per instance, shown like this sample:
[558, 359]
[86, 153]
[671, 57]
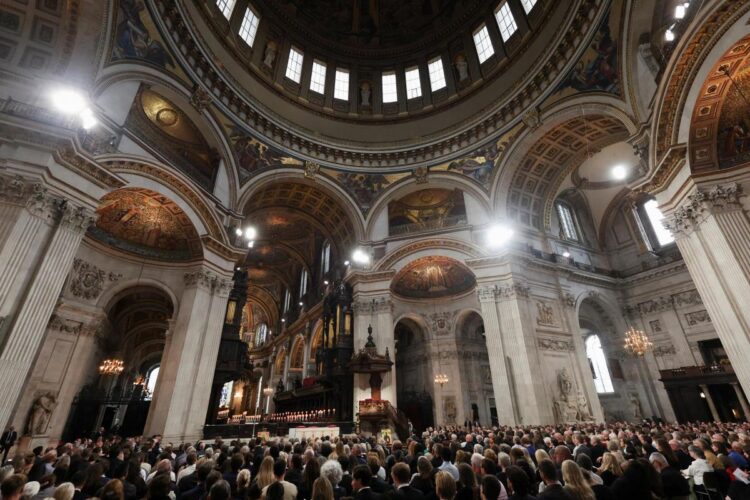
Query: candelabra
[441, 378]
[111, 367]
[637, 342]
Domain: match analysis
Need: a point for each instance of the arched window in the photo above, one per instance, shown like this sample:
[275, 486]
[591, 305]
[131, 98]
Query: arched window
[261, 333]
[654, 232]
[303, 283]
[287, 301]
[568, 225]
[151, 377]
[599, 368]
[325, 258]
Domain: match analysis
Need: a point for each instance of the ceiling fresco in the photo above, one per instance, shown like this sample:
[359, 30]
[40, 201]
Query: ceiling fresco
[733, 143]
[430, 208]
[136, 37]
[433, 277]
[146, 223]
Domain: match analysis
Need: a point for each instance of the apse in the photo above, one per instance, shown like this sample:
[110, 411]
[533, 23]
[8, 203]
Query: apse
[433, 278]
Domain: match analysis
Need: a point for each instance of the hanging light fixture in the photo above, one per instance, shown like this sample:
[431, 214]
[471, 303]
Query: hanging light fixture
[268, 392]
[111, 367]
[442, 379]
[637, 342]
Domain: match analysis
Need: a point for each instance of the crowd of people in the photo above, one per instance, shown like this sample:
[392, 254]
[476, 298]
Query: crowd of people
[588, 462]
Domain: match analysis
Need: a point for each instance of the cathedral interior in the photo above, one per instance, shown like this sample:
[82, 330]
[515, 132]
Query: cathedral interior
[241, 216]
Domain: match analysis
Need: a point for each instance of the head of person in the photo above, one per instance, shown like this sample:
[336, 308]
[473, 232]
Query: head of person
[518, 481]
[243, 479]
[322, 489]
[490, 489]
[445, 454]
[220, 490]
[65, 491]
[573, 476]
[659, 461]
[275, 491]
[562, 453]
[159, 487]
[696, 452]
[361, 477]
[400, 473]
[466, 476]
[610, 463]
[113, 490]
[547, 471]
[331, 470]
[279, 468]
[424, 467]
[265, 472]
[445, 485]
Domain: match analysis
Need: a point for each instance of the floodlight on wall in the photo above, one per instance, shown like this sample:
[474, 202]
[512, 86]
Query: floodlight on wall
[359, 256]
[566, 254]
[498, 235]
[71, 102]
[619, 172]
[669, 35]
[249, 234]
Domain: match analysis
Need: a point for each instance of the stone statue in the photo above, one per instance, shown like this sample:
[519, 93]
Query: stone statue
[364, 91]
[566, 384]
[637, 408]
[545, 314]
[583, 407]
[40, 413]
[269, 56]
[462, 67]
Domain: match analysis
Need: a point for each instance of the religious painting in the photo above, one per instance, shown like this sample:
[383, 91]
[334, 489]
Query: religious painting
[364, 187]
[598, 68]
[426, 209]
[733, 143]
[433, 277]
[252, 156]
[137, 38]
[144, 222]
[478, 165]
[170, 132]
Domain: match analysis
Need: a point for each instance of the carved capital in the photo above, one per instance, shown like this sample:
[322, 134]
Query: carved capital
[75, 218]
[41, 204]
[701, 204]
[568, 300]
[210, 281]
[512, 290]
[486, 293]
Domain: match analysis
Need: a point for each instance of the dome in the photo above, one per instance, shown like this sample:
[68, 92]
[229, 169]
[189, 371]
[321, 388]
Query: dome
[388, 85]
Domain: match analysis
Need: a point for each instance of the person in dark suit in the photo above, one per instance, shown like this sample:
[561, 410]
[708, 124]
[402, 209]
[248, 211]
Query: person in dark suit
[361, 478]
[553, 490]
[401, 474]
[7, 440]
[673, 483]
[378, 485]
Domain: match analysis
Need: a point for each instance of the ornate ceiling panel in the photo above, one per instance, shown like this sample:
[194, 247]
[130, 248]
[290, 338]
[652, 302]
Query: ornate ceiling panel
[433, 277]
[146, 223]
[552, 155]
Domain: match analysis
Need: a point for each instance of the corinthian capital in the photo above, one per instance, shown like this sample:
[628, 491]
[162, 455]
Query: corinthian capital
[201, 279]
[699, 205]
[75, 218]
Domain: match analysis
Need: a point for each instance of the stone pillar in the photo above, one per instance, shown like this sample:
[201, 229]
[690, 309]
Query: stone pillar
[187, 368]
[712, 231]
[519, 340]
[710, 401]
[742, 399]
[36, 255]
[378, 312]
[504, 401]
[579, 351]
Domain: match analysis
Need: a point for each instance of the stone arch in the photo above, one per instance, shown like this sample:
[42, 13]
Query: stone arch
[278, 364]
[449, 247]
[408, 185]
[414, 384]
[327, 187]
[111, 294]
[570, 110]
[297, 354]
[123, 79]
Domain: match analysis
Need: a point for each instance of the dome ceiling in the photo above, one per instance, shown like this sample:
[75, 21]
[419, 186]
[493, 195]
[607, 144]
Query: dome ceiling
[433, 277]
[376, 27]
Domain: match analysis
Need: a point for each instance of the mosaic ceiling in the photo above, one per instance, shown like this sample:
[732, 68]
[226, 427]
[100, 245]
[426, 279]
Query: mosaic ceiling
[433, 277]
[146, 223]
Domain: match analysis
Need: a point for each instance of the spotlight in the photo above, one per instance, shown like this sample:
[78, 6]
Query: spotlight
[566, 254]
[250, 244]
[619, 172]
[301, 304]
[283, 320]
[238, 232]
[346, 262]
[669, 35]
[498, 235]
[360, 257]
[88, 120]
[325, 282]
[250, 233]
[679, 11]
[68, 101]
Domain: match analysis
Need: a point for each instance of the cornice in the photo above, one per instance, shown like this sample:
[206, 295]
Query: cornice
[262, 123]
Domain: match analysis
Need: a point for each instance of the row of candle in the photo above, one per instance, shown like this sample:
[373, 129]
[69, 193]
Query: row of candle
[303, 416]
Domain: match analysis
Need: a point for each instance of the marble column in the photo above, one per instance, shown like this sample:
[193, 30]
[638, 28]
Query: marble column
[187, 368]
[712, 231]
[579, 351]
[742, 400]
[710, 401]
[504, 401]
[36, 255]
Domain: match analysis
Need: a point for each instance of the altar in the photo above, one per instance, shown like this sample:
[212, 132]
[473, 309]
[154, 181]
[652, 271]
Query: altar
[314, 432]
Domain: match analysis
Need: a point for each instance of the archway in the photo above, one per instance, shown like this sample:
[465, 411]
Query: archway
[414, 385]
[136, 324]
[474, 366]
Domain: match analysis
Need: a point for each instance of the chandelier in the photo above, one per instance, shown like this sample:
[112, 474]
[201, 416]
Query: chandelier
[637, 342]
[111, 367]
[441, 378]
[268, 392]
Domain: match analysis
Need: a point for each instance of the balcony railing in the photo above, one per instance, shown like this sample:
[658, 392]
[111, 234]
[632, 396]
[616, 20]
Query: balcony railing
[430, 225]
[684, 372]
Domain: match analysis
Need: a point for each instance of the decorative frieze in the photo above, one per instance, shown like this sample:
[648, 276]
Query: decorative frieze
[661, 351]
[685, 299]
[554, 345]
[209, 281]
[504, 291]
[87, 281]
[697, 318]
[65, 325]
[374, 305]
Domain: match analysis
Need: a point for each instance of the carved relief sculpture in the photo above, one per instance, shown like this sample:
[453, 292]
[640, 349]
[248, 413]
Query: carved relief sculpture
[449, 409]
[87, 281]
[269, 56]
[40, 414]
[364, 93]
[545, 314]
